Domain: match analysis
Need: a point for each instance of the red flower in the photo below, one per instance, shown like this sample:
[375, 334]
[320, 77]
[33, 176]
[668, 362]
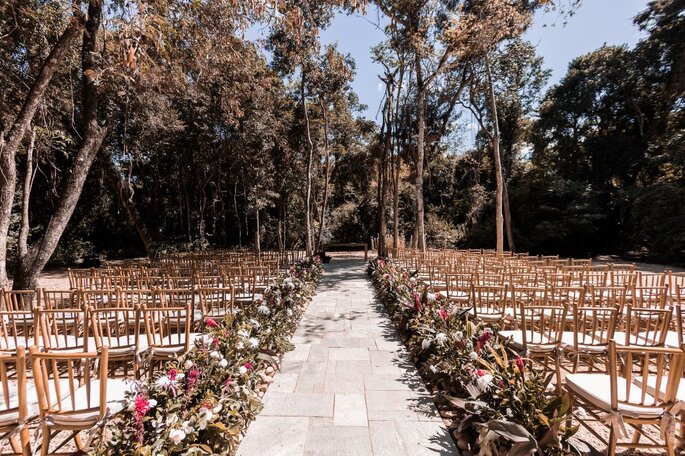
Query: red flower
[211, 323]
[215, 342]
[443, 314]
[485, 337]
[192, 378]
[417, 302]
[248, 366]
[480, 372]
[520, 363]
[142, 406]
[172, 374]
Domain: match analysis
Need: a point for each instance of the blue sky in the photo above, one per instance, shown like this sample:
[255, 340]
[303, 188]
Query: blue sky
[596, 22]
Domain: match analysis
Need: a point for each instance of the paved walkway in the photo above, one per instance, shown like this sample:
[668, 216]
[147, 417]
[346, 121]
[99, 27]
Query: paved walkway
[348, 387]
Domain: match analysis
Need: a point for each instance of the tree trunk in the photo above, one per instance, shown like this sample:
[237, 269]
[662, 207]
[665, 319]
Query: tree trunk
[9, 147]
[257, 233]
[310, 159]
[22, 244]
[237, 214]
[499, 223]
[30, 266]
[420, 151]
[327, 177]
[125, 195]
[507, 218]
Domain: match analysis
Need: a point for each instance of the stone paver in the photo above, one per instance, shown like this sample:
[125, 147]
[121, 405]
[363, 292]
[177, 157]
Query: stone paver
[348, 388]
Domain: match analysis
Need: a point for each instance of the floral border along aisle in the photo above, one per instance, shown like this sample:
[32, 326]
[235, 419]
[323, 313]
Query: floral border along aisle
[497, 402]
[203, 402]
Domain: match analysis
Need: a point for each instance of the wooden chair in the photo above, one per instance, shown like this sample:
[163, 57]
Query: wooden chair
[168, 331]
[15, 410]
[74, 395]
[63, 330]
[59, 299]
[539, 336]
[644, 327]
[17, 328]
[490, 303]
[623, 394]
[118, 329]
[215, 302]
[589, 334]
[100, 298]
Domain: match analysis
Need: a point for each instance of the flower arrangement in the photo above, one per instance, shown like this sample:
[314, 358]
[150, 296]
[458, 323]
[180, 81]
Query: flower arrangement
[497, 402]
[203, 401]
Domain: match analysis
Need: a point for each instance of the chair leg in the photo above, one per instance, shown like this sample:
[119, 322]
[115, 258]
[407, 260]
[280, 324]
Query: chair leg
[637, 434]
[25, 437]
[78, 441]
[45, 443]
[613, 440]
[14, 444]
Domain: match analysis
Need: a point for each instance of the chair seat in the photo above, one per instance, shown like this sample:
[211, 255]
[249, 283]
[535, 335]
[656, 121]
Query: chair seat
[491, 315]
[11, 343]
[585, 343]
[673, 339]
[173, 346]
[456, 295]
[640, 339]
[596, 389]
[541, 342]
[651, 386]
[79, 410]
[118, 346]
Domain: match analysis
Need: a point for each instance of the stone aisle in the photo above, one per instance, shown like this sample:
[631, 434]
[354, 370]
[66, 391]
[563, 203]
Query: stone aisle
[348, 388]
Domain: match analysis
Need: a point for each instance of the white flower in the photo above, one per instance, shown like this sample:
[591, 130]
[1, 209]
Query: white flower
[254, 342]
[207, 339]
[216, 355]
[240, 345]
[188, 364]
[458, 335]
[242, 370]
[206, 413]
[243, 333]
[483, 383]
[187, 428]
[217, 408]
[255, 323]
[152, 403]
[264, 310]
[473, 355]
[164, 382]
[289, 312]
[425, 344]
[223, 363]
[441, 338]
[176, 435]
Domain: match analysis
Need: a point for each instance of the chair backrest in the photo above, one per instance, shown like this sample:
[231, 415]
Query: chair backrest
[108, 297]
[168, 326]
[17, 328]
[71, 384]
[59, 299]
[593, 327]
[605, 296]
[646, 327]
[176, 298]
[566, 296]
[20, 300]
[653, 297]
[13, 399]
[489, 300]
[63, 329]
[640, 378]
[116, 327]
[541, 324]
[216, 302]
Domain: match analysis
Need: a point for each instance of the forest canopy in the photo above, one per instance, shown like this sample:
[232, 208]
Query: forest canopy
[132, 127]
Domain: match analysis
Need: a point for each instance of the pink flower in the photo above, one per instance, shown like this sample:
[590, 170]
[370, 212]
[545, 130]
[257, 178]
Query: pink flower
[480, 372]
[443, 314]
[248, 366]
[520, 363]
[191, 378]
[215, 342]
[142, 406]
[211, 323]
[417, 302]
[172, 374]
